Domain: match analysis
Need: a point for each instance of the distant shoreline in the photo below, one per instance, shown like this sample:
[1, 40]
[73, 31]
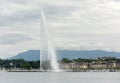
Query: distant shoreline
[108, 70]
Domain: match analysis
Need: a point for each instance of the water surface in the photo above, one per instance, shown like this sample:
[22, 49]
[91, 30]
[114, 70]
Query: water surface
[62, 77]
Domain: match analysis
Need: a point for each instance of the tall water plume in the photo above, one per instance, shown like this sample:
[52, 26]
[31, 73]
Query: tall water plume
[47, 51]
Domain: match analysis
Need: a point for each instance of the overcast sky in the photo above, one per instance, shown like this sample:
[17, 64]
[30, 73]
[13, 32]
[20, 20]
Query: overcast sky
[72, 24]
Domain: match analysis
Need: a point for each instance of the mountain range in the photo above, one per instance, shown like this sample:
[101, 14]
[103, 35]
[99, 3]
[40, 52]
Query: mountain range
[32, 55]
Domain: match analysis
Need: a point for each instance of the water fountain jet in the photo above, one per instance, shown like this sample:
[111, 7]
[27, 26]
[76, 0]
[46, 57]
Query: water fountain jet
[47, 51]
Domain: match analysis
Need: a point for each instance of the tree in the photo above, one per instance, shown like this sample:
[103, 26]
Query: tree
[65, 60]
[26, 66]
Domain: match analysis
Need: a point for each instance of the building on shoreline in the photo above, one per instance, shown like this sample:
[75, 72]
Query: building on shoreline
[101, 63]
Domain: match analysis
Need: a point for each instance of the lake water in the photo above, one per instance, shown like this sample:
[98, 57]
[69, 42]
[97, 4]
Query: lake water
[62, 77]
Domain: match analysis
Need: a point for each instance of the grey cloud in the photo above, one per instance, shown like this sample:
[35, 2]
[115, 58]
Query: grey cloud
[20, 1]
[57, 10]
[21, 17]
[33, 15]
[116, 0]
[10, 39]
[91, 24]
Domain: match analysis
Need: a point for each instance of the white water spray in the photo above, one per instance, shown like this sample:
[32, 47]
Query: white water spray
[47, 51]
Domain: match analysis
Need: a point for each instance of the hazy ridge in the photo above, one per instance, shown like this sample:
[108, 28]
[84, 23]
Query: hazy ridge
[70, 54]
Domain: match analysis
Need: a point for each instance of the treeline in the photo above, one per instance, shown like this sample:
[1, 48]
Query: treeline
[28, 65]
[107, 59]
[19, 63]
